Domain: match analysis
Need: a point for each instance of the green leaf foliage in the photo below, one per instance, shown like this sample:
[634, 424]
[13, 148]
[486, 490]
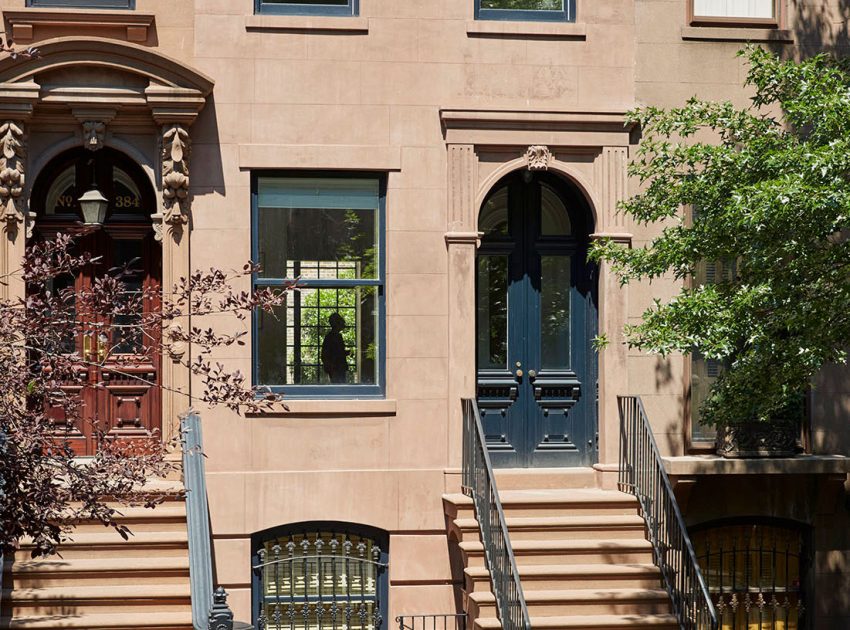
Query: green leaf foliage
[766, 187]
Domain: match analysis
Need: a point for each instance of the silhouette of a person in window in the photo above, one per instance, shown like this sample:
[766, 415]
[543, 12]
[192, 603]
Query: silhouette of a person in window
[334, 354]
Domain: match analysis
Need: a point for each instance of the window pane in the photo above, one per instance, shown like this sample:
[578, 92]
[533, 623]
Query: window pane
[493, 219]
[335, 3]
[524, 5]
[313, 228]
[734, 8]
[703, 374]
[492, 312]
[554, 218]
[555, 312]
[321, 336]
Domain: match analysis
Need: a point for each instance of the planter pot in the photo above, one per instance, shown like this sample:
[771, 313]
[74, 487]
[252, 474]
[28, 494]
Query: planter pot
[762, 439]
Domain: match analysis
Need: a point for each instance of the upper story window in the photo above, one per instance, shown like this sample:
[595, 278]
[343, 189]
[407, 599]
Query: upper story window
[308, 7]
[735, 12]
[326, 233]
[83, 4]
[542, 10]
[311, 576]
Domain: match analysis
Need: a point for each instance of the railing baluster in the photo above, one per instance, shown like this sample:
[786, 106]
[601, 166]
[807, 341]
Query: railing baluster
[479, 483]
[642, 474]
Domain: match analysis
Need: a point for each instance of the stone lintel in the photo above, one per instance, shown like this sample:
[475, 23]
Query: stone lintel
[172, 105]
[463, 238]
[98, 114]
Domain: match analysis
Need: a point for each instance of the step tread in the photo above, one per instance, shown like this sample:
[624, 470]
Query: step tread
[148, 619]
[581, 595]
[589, 621]
[94, 565]
[98, 592]
[570, 496]
[574, 570]
[111, 537]
[457, 499]
[601, 521]
[592, 544]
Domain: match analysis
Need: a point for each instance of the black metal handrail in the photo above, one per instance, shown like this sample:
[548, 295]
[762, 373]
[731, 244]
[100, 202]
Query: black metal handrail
[442, 621]
[642, 474]
[479, 483]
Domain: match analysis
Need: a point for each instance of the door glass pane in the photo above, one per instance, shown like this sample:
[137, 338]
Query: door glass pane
[554, 218]
[325, 228]
[493, 220]
[492, 312]
[127, 335]
[320, 336]
[524, 5]
[555, 312]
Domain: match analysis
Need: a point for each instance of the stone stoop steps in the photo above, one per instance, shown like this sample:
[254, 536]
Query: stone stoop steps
[582, 554]
[102, 582]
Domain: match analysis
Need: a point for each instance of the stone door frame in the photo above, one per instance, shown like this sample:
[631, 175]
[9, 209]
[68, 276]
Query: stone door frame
[161, 101]
[591, 150]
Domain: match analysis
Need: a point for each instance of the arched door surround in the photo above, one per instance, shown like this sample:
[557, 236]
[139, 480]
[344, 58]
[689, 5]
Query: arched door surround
[100, 94]
[128, 366]
[535, 322]
[590, 152]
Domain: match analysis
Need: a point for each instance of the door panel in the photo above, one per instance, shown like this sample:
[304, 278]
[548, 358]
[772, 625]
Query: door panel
[536, 318]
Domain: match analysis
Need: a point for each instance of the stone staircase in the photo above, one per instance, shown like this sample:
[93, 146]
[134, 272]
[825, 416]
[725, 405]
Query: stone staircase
[102, 582]
[582, 554]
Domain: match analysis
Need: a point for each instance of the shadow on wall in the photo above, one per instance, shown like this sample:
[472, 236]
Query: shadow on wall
[821, 26]
[206, 166]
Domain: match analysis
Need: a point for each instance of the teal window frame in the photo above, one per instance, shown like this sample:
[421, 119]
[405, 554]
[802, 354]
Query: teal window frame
[343, 391]
[567, 14]
[351, 9]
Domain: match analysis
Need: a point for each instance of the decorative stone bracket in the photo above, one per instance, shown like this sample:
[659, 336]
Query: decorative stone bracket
[176, 147]
[13, 146]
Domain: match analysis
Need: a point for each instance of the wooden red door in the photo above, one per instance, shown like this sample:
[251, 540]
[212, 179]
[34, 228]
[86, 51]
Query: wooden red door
[117, 382]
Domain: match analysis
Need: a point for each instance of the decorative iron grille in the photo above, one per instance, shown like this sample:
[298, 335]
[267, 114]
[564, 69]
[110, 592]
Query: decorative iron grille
[753, 572]
[321, 581]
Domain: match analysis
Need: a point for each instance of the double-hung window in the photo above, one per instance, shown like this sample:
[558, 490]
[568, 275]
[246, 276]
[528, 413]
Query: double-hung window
[308, 7]
[744, 12]
[325, 233]
[538, 10]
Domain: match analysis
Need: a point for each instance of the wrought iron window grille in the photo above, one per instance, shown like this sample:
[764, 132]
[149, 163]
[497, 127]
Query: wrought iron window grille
[321, 580]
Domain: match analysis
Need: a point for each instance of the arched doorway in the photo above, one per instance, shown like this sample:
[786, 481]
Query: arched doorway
[536, 318]
[121, 359]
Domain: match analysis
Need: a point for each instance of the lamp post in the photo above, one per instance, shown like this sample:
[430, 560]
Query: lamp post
[93, 205]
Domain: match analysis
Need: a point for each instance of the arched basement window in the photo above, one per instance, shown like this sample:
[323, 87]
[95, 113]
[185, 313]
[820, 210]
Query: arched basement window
[320, 575]
[755, 572]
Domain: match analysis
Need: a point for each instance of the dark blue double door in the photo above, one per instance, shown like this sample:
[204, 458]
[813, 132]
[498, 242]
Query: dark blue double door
[536, 317]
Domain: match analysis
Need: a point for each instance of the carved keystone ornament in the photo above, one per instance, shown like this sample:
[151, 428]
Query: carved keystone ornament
[538, 157]
[93, 134]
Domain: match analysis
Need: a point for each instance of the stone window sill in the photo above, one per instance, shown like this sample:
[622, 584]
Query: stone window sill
[301, 23]
[692, 465]
[25, 22]
[737, 34]
[343, 407]
[547, 30]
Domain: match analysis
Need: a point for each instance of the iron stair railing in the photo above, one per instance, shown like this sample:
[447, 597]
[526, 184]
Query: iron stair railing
[479, 482]
[209, 610]
[441, 621]
[642, 474]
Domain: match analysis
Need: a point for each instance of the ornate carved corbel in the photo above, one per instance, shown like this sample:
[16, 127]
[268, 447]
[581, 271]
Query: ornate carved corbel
[13, 146]
[538, 157]
[94, 132]
[175, 178]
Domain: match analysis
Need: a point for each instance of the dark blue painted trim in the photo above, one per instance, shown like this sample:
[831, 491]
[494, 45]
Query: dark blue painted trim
[380, 536]
[568, 14]
[294, 8]
[83, 4]
[326, 391]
